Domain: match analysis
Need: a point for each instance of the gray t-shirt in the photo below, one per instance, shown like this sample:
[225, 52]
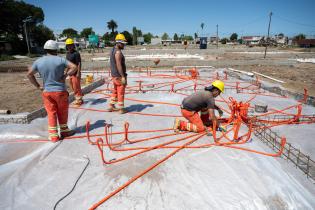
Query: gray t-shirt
[198, 101]
[51, 69]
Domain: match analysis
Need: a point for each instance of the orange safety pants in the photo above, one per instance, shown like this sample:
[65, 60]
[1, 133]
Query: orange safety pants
[75, 83]
[56, 105]
[196, 123]
[118, 93]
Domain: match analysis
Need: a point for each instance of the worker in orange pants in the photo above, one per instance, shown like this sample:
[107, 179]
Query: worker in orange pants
[204, 103]
[119, 75]
[75, 80]
[54, 70]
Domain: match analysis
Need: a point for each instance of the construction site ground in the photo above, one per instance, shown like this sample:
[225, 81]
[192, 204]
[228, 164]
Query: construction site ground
[18, 95]
[136, 161]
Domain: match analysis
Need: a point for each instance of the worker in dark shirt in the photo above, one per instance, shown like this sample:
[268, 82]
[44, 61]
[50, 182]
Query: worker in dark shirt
[204, 103]
[119, 75]
[75, 80]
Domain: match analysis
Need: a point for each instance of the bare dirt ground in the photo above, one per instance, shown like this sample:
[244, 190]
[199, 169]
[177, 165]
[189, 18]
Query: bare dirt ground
[18, 95]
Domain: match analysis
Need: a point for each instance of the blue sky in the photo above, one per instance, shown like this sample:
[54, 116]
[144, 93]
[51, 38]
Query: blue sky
[246, 17]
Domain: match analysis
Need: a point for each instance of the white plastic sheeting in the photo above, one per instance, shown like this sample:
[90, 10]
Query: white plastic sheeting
[35, 175]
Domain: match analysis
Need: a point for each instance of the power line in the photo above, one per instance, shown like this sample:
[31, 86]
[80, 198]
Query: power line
[294, 22]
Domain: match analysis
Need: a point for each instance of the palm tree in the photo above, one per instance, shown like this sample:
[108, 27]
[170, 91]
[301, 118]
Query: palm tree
[112, 25]
[202, 25]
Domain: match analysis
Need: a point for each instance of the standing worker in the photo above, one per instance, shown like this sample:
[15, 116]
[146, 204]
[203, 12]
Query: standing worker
[204, 103]
[119, 75]
[54, 70]
[75, 80]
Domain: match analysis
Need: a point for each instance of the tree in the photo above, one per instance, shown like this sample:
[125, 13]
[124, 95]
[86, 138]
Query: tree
[195, 35]
[175, 37]
[224, 40]
[70, 33]
[147, 37]
[188, 38]
[128, 36]
[86, 32]
[299, 37]
[134, 35]
[12, 14]
[41, 34]
[202, 25]
[165, 36]
[233, 37]
[112, 25]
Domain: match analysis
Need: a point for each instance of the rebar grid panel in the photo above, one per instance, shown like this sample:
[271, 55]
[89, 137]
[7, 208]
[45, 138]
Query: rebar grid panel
[292, 154]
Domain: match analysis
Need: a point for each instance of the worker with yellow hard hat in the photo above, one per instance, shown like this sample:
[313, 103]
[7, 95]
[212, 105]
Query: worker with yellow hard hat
[119, 75]
[204, 103]
[75, 80]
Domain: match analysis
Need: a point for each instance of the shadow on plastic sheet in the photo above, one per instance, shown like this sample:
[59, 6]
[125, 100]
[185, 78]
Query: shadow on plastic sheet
[138, 107]
[96, 101]
[95, 125]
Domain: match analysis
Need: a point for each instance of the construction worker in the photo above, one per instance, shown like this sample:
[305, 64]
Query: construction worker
[204, 103]
[75, 80]
[54, 70]
[119, 75]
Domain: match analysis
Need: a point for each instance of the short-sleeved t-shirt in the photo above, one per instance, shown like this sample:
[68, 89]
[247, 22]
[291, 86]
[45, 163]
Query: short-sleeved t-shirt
[74, 57]
[198, 101]
[51, 69]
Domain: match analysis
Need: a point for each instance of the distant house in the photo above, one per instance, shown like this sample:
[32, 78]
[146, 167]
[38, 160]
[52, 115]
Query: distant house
[156, 41]
[304, 43]
[213, 39]
[252, 40]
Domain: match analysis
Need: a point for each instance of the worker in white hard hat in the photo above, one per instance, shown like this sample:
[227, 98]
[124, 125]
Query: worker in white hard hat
[54, 70]
[75, 80]
[119, 75]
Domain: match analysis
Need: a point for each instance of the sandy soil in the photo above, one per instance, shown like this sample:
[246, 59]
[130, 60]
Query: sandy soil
[18, 94]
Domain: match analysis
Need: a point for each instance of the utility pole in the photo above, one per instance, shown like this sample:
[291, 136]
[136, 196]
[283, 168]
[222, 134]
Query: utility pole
[217, 36]
[267, 40]
[28, 19]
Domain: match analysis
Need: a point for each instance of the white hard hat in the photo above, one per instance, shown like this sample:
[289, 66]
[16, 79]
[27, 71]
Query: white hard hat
[51, 45]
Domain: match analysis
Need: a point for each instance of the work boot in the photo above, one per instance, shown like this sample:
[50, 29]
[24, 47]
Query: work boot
[111, 108]
[122, 111]
[176, 126]
[54, 139]
[67, 133]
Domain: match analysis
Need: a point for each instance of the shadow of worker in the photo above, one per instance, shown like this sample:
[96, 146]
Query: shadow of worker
[138, 107]
[95, 125]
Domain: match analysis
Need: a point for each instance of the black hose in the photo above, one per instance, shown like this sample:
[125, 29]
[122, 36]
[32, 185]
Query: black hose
[87, 164]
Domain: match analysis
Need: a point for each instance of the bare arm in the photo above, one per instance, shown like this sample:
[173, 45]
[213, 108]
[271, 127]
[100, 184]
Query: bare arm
[118, 59]
[71, 69]
[30, 75]
[213, 117]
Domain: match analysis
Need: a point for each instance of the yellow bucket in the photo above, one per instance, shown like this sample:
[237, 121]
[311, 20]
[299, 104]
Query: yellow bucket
[88, 79]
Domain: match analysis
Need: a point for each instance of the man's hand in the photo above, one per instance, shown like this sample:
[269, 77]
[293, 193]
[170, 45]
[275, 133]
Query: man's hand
[123, 81]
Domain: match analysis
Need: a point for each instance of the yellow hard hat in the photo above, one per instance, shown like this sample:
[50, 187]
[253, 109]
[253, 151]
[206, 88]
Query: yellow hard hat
[218, 84]
[69, 41]
[121, 38]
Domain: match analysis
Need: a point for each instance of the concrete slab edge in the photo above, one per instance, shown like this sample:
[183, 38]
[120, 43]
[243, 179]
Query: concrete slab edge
[27, 118]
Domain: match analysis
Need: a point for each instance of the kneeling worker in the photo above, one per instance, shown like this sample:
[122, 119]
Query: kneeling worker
[54, 70]
[204, 103]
